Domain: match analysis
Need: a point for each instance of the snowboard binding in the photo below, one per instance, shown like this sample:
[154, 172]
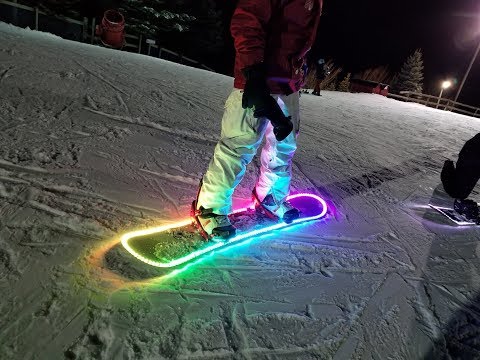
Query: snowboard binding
[269, 208]
[211, 226]
[467, 208]
[222, 228]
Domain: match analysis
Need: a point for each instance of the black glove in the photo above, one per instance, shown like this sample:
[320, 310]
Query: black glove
[257, 95]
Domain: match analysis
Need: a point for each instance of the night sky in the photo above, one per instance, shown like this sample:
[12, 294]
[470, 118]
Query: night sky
[358, 35]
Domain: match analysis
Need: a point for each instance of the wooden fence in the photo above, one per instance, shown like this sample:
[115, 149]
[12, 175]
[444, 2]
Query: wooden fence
[135, 43]
[436, 102]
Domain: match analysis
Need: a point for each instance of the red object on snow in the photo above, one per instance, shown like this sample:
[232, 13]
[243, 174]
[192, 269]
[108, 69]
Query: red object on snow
[366, 86]
[111, 30]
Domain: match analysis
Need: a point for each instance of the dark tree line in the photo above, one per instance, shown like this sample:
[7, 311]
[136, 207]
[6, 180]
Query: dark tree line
[194, 28]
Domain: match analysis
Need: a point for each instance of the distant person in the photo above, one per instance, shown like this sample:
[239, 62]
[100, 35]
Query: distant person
[304, 74]
[271, 40]
[460, 180]
[322, 71]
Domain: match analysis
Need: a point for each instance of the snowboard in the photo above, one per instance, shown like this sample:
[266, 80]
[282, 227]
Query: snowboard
[171, 245]
[454, 216]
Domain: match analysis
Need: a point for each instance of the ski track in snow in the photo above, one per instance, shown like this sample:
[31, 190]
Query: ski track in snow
[96, 142]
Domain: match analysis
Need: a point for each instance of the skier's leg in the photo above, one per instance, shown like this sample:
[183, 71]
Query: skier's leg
[460, 180]
[316, 89]
[468, 166]
[276, 158]
[241, 136]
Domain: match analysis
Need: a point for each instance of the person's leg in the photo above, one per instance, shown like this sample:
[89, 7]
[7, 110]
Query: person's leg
[276, 157]
[241, 136]
[460, 180]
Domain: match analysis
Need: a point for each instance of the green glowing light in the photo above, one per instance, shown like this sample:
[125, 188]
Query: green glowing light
[210, 247]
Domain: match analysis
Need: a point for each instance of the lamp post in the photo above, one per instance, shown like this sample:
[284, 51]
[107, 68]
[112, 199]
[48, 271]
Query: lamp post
[468, 71]
[445, 85]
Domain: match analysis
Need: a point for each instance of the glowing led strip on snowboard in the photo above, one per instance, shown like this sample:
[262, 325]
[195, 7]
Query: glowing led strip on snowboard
[125, 238]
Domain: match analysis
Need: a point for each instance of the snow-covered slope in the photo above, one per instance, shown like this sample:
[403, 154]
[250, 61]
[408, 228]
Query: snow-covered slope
[95, 142]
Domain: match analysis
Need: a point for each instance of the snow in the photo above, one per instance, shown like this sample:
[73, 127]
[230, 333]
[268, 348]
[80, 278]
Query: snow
[96, 142]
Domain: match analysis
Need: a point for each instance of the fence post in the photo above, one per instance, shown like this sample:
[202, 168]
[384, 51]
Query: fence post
[140, 44]
[452, 105]
[159, 52]
[14, 12]
[36, 18]
[85, 29]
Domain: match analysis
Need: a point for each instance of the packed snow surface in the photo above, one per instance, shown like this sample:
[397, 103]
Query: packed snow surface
[96, 142]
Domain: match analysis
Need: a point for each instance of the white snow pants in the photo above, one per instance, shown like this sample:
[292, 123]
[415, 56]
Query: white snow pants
[241, 136]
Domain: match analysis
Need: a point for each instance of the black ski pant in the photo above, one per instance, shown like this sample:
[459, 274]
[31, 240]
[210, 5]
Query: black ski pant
[459, 181]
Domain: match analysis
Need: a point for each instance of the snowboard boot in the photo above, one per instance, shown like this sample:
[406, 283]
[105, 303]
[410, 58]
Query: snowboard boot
[212, 226]
[284, 211]
[467, 208]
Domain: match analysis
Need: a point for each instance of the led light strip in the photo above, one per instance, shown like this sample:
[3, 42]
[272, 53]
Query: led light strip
[126, 237]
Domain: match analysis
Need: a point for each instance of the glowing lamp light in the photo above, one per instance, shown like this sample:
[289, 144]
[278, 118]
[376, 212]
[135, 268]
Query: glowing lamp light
[243, 236]
[446, 84]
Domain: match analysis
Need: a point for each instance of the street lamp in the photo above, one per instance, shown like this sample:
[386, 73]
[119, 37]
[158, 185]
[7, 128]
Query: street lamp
[468, 71]
[445, 85]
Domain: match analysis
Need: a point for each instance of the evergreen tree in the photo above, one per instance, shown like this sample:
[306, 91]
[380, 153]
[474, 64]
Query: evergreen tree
[393, 83]
[410, 77]
[194, 28]
[344, 85]
[206, 39]
[330, 85]
[57, 7]
[380, 74]
[153, 18]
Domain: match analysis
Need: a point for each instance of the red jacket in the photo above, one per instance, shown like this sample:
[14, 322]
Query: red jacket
[278, 33]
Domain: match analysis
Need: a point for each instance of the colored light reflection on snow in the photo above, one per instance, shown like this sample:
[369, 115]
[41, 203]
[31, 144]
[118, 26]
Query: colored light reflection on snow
[116, 281]
[214, 246]
[113, 280]
[203, 259]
